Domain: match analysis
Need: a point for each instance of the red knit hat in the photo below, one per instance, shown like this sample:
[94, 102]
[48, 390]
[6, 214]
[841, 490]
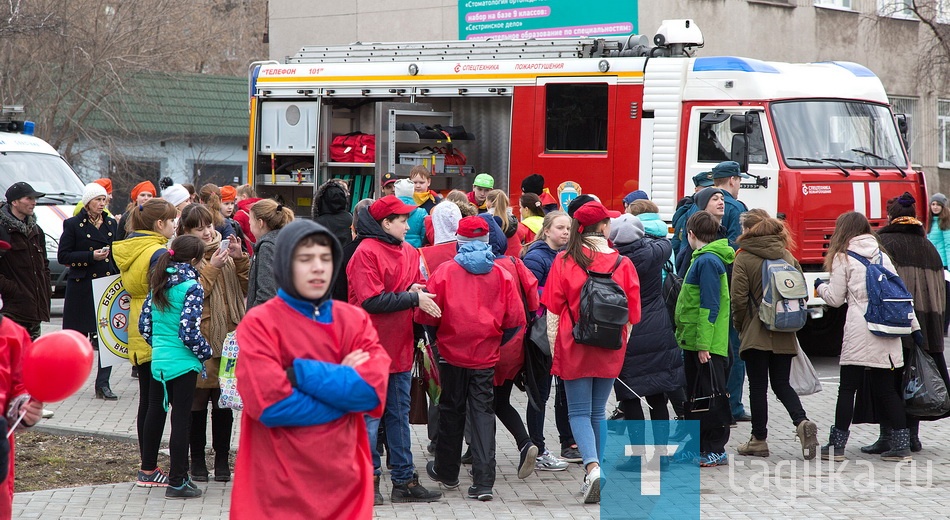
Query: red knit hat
[592, 213]
[472, 228]
[228, 193]
[106, 183]
[142, 187]
[389, 205]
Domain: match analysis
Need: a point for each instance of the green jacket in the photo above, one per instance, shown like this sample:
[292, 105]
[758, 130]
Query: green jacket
[702, 310]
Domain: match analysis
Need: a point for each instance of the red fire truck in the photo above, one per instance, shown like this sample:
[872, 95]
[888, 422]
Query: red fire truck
[612, 115]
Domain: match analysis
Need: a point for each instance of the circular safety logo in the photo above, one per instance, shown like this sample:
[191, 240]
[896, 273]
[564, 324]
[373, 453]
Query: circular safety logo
[112, 316]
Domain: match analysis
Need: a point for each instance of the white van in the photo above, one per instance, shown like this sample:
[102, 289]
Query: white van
[27, 158]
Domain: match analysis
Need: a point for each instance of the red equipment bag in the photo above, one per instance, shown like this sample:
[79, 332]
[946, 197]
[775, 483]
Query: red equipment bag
[355, 147]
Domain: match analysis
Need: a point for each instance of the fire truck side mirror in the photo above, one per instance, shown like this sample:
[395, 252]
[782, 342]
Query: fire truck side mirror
[902, 128]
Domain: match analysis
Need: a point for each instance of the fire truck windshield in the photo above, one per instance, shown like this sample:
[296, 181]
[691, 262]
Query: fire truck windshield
[823, 129]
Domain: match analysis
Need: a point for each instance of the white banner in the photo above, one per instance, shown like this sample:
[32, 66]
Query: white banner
[112, 316]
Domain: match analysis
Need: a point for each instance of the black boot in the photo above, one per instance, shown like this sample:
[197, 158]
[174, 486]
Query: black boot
[900, 446]
[834, 450]
[882, 444]
[915, 444]
[377, 496]
[221, 421]
[198, 440]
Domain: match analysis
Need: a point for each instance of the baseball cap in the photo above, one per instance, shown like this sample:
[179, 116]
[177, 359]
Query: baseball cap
[18, 190]
[635, 195]
[703, 179]
[472, 228]
[389, 178]
[483, 180]
[592, 213]
[727, 169]
[389, 205]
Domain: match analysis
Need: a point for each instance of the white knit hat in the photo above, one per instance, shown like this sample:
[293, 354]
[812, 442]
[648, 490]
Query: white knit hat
[176, 194]
[91, 191]
[403, 188]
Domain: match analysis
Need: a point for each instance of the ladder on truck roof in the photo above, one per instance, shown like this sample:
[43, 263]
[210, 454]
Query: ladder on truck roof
[460, 50]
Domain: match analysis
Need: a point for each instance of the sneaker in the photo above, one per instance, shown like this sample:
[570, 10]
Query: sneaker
[482, 493]
[413, 491]
[710, 460]
[47, 414]
[467, 457]
[187, 489]
[591, 488]
[571, 454]
[529, 457]
[156, 478]
[548, 462]
[430, 470]
[686, 457]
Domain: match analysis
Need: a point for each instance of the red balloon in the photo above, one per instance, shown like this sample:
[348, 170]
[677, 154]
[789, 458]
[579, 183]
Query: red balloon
[57, 365]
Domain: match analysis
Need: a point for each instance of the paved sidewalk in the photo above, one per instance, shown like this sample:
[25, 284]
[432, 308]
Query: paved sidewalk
[775, 487]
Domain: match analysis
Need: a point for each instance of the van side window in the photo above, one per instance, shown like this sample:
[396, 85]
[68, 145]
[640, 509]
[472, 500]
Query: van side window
[575, 117]
[716, 141]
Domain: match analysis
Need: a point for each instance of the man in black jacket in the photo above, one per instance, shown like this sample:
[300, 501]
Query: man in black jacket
[24, 269]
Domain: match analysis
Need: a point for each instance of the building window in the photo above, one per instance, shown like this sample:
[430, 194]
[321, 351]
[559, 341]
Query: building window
[908, 107]
[896, 9]
[943, 127]
[576, 117]
[219, 174]
[834, 4]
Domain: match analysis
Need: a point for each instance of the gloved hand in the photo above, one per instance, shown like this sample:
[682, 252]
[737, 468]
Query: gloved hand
[818, 281]
[918, 338]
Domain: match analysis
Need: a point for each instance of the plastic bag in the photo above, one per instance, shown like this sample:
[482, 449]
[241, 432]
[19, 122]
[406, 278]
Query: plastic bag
[227, 379]
[803, 376]
[925, 393]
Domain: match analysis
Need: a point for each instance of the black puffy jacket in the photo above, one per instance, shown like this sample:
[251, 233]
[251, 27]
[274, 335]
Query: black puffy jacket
[330, 210]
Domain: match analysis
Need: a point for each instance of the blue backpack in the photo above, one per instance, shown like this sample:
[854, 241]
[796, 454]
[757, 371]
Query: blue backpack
[890, 305]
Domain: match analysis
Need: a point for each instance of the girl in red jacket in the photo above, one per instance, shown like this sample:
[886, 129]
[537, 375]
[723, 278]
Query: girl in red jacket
[588, 372]
[384, 279]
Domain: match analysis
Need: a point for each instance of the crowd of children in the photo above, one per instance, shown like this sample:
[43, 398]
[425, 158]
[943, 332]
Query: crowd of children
[329, 313]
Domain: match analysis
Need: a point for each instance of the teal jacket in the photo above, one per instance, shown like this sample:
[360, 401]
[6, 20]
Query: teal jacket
[940, 238]
[702, 309]
[174, 332]
[417, 227]
[653, 225]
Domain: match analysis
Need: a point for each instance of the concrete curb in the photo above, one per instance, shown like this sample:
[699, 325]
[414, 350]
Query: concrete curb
[62, 430]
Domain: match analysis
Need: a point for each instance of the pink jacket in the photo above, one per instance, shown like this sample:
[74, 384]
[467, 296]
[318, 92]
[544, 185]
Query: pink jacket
[847, 284]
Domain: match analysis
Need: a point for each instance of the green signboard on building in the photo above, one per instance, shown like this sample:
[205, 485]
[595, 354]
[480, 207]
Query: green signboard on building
[519, 19]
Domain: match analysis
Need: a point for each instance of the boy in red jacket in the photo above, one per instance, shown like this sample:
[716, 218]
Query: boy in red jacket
[469, 341]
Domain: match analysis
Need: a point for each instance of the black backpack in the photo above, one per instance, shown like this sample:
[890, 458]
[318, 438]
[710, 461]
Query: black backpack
[603, 312]
[672, 284]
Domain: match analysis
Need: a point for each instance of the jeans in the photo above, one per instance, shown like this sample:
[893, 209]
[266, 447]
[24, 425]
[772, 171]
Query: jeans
[736, 374]
[587, 410]
[467, 399]
[564, 433]
[534, 419]
[396, 417]
[763, 366]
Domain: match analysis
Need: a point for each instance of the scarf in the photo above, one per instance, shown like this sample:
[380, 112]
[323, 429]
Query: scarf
[421, 198]
[907, 220]
[224, 299]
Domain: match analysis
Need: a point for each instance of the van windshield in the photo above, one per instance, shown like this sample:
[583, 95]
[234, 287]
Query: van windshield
[46, 173]
[832, 129]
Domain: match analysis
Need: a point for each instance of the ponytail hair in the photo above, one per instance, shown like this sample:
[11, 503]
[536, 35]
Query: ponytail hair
[532, 203]
[184, 249]
[499, 203]
[274, 215]
[144, 217]
[210, 196]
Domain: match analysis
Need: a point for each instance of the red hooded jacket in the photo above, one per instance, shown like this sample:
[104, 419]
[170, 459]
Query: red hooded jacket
[512, 353]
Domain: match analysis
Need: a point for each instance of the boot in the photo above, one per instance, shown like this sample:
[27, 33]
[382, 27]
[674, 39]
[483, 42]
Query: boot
[755, 448]
[221, 422]
[197, 441]
[882, 444]
[900, 446]
[915, 445]
[834, 450]
[413, 491]
[377, 497]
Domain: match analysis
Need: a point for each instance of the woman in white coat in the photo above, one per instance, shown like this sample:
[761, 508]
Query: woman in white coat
[862, 351]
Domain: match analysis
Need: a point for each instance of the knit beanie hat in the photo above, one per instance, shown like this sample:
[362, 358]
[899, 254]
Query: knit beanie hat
[626, 229]
[703, 196]
[176, 194]
[939, 197]
[228, 193]
[903, 206]
[91, 191]
[106, 183]
[445, 221]
[143, 187]
[403, 188]
[533, 183]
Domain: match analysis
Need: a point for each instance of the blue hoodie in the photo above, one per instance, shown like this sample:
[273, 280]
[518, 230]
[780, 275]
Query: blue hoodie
[475, 257]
